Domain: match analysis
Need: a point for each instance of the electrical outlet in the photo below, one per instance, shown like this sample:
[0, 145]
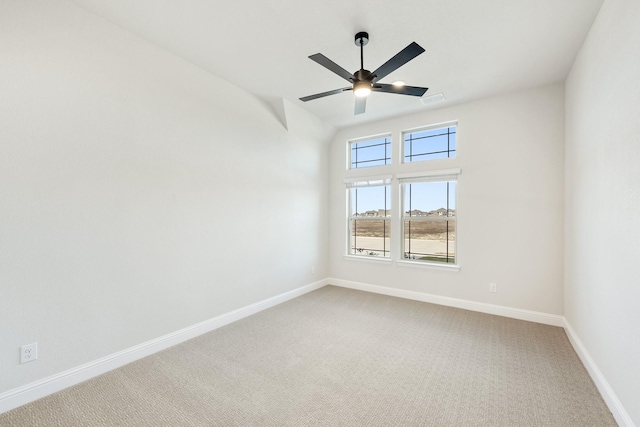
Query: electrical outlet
[313, 270]
[28, 352]
[493, 287]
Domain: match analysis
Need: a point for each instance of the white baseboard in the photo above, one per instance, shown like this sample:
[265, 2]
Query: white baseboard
[36, 390]
[499, 310]
[612, 401]
[615, 406]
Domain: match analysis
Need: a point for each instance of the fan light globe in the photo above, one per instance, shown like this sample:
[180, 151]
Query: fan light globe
[362, 89]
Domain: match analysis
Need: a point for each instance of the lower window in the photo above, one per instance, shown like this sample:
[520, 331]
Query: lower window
[429, 221]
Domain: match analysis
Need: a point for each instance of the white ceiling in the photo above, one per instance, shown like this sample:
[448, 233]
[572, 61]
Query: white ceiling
[473, 48]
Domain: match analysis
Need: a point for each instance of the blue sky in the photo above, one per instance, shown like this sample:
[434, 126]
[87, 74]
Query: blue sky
[436, 142]
[426, 196]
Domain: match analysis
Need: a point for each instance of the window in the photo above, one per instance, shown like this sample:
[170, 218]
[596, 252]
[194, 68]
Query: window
[403, 214]
[430, 143]
[429, 219]
[374, 151]
[369, 218]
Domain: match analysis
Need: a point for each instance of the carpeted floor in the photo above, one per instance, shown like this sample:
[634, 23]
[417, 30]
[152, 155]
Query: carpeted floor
[339, 357]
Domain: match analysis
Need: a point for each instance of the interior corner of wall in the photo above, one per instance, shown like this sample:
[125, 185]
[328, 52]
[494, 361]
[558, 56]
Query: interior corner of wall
[276, 107]
[302, 122]
[297, 120]
[281, 111]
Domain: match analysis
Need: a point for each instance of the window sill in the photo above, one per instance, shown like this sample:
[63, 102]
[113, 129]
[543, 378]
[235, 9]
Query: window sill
[428, 265]
[367, 259]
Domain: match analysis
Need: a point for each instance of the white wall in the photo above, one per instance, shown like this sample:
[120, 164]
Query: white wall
[138, 193]
[602, 230]
[510, 202]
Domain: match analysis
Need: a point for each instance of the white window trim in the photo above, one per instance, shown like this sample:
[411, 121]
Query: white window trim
[446, 124]
[366, 258]
[367, 181]
[426, 176]
[428, 265]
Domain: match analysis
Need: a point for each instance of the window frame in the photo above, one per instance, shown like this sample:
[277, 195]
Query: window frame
[388, 150]
[447, 175]
[369, 182]
[445, 125]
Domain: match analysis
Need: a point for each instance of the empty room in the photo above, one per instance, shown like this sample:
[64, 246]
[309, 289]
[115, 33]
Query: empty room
[294, 213]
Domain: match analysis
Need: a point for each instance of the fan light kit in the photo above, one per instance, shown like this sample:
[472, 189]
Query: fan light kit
[363, 82]
[361, 89]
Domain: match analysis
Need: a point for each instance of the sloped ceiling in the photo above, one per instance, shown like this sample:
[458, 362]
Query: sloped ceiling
[473, 48]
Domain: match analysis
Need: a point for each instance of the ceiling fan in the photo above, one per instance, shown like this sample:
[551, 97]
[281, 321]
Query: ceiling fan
[363, 82]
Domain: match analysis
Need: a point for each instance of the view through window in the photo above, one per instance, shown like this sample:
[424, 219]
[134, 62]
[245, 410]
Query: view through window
[430, 144]
[429, 221]
[369, 219]
[374, 151]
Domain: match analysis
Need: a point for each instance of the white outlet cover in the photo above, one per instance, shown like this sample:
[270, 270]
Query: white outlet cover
[29, 352]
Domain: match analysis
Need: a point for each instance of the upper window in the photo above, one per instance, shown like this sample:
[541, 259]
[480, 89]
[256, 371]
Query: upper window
[429, 219]
[369, 218]
[430, 143]
[375, 151]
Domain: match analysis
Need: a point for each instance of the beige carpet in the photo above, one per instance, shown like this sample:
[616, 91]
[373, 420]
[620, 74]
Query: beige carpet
[339, 357]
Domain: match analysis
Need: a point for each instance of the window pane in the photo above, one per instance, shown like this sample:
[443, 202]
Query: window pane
[370, 201]
[431, 241]
[370, 237]
[430, 144]
[373, 152]
[431, 235]
[431, 199]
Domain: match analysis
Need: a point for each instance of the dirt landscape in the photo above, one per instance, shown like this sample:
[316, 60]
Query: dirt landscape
[424, 230]
[428, 240]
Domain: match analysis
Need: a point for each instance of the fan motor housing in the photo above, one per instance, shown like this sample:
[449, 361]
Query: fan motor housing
[362, 75]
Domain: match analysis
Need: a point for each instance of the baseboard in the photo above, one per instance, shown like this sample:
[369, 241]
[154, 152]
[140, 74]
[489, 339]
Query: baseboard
[615, 406]
[36, 390]
[499, 310]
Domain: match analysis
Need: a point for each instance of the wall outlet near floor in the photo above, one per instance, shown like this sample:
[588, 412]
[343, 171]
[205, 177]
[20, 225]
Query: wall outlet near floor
[493, 287]
[313, 269]
[29, 352]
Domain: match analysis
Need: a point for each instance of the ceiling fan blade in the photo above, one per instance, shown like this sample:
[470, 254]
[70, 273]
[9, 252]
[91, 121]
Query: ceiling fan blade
[400, 90]
[323, 94]
[401, 58]
[332, 66]
[361, 104]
